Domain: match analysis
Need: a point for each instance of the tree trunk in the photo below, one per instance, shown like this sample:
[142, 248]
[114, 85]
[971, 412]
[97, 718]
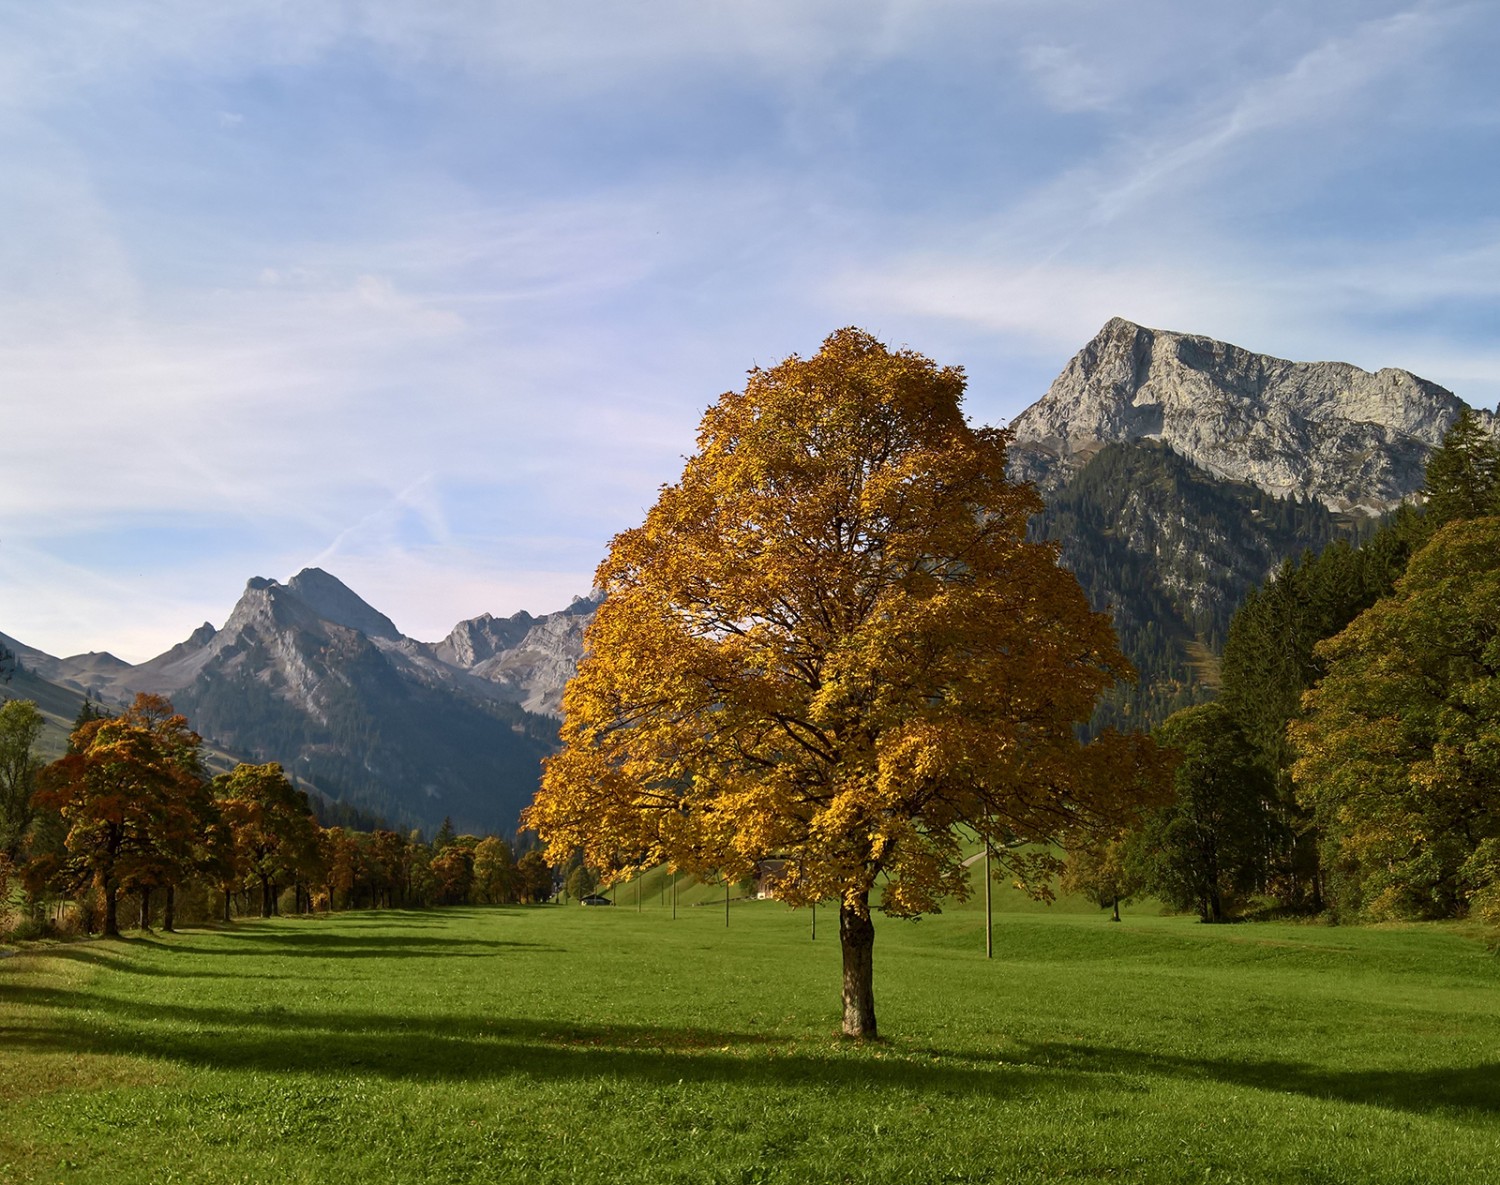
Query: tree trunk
[265, 897]
[111, 911]
[145, 907]
[1116, 904]
[169, 911]
[228, 894]
[857, 936]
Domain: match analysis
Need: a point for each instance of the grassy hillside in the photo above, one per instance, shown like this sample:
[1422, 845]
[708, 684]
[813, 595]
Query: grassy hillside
[58, 706]
[567, 1044]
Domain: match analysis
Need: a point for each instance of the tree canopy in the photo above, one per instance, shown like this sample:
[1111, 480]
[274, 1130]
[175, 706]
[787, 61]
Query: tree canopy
[20, 726]
[128, 790]
[1208, 846]
[274, 832]
[1398, 755]
[831, 642]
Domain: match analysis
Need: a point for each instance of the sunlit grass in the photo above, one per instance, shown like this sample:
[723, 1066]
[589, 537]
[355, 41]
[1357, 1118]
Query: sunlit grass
[559, 1044]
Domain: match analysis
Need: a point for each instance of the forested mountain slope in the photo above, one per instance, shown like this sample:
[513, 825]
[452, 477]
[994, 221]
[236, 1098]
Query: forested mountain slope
[1170, 550]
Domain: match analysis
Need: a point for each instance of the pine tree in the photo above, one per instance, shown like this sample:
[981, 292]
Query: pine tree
[1463, 473]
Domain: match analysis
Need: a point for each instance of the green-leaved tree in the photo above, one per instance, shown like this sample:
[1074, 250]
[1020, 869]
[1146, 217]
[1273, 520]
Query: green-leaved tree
[1399, 747]
[1206, 849]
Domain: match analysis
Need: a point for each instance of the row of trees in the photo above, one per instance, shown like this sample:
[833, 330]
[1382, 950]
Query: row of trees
[129, 810]
[1352, 761]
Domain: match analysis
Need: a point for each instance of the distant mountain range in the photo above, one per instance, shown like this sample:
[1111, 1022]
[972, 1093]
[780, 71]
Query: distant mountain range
[1178, 471]
[308, 674]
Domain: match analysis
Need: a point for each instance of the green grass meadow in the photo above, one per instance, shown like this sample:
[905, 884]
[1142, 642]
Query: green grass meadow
[557, 1043]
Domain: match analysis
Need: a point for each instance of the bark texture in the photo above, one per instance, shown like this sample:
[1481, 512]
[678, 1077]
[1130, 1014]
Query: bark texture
[857, 936]
[111, 911]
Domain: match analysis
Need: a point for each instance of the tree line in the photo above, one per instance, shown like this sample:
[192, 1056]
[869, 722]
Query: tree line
[129, 813]
[1351, 764]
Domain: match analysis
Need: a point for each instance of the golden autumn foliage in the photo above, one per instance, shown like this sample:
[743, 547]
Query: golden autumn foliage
[831, 642]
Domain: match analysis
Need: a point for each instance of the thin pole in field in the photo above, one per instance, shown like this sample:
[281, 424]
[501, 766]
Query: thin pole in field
[815, 921]
[637, 890]
[726, 902]
[989, 925]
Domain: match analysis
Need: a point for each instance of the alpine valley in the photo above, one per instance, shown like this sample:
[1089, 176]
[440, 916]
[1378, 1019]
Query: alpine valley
[1178, 472]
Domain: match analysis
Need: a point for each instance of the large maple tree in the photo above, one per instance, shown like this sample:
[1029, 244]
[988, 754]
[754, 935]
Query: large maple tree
[831, 642]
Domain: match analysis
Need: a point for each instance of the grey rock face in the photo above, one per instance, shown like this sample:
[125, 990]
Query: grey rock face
[334, 601]
[472, 642]
[1329, 431]
[526, 660]
[365, 715]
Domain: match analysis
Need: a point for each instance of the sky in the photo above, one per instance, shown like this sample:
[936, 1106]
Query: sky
[432, 296]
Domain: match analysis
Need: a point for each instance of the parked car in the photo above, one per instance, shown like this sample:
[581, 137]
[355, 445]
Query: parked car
[594, 899]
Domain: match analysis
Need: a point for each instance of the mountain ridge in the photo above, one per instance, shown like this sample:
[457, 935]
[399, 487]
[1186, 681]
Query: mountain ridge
[1355, 440]
[309, 674]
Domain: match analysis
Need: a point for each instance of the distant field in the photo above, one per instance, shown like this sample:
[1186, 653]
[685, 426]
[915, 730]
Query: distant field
[568, 1044]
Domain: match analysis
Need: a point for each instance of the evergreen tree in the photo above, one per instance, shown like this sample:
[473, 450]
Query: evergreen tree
[87, 711]
[1206, 849]
[1463, 473]
[1270, 661]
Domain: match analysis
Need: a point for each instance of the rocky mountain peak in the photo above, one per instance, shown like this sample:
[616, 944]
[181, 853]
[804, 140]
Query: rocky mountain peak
[1329, 431]
[333, 600]
[269, 605]
[202, 635]
[480, 638]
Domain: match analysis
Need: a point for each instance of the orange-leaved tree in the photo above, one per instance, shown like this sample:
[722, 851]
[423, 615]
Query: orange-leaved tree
[275, 833]
[832, 642]
[130, 792]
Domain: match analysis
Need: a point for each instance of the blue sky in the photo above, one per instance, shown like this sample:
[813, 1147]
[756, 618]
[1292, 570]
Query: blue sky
[433, 295]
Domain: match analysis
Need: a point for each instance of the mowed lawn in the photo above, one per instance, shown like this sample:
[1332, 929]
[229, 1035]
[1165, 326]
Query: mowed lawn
[566, 1044]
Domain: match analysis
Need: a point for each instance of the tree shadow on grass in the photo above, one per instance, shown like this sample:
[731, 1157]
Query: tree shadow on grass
[271, 1038]
[466, 1047]
[259, 944]
[93, 955]
[268, 943]
[1444, 1088]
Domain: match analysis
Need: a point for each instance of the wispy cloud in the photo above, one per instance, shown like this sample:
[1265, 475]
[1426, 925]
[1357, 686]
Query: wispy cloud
[434, 294]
